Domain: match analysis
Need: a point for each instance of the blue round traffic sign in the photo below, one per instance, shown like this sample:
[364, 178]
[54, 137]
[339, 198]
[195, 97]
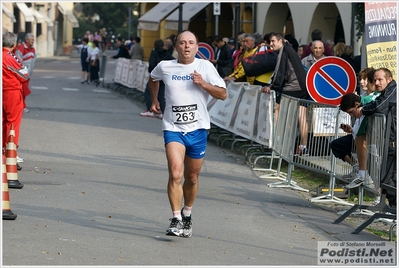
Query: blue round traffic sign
[205, 51]
[330, 78]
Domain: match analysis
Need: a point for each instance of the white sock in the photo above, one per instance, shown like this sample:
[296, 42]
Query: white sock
[362, 173]
[187, 211]
[177, 214]
[302, 146]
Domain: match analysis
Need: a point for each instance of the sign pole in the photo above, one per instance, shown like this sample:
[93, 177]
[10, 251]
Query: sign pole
[180, 26]
[216, 13]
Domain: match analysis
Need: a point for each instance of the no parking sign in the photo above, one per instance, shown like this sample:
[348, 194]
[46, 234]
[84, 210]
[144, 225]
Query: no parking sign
[330, 78]
[205, 51]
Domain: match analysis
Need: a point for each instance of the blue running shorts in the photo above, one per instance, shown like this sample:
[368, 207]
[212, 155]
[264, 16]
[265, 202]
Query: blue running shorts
[194, 141]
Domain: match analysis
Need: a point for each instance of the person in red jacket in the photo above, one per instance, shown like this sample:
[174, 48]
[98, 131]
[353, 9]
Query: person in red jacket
[27, 55]
[14, 75]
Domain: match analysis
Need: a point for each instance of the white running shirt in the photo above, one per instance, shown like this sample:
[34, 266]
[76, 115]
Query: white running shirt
[186, 102]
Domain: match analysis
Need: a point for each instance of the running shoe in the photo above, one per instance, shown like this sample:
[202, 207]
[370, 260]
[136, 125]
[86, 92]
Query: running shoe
[368, 182]
[187, 229]
[376, 201]
[19, 159]
[302, 152]
[355, 170]
[356, 182]
[175, 227]
[147, 113]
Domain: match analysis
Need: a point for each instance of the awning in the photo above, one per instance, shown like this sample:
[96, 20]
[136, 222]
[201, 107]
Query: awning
[8, 12]
[189, 11]
[68, 13]
[26, 11]
[39, 17]
[151, 19]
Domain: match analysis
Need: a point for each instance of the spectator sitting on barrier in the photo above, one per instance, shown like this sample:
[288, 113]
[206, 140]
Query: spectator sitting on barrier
[136, 52]
[159, 53]
[122, 50]
[384, 84]
[317, 54]
[289, 78]
[341, 147]
[249, 49]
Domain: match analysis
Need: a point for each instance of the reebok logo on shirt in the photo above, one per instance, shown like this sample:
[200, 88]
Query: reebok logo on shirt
[182, 77]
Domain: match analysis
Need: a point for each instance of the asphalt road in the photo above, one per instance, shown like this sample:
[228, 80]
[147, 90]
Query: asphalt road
[95, 175]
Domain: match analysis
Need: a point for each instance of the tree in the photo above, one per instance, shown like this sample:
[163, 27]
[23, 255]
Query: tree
[112, 16]
[358, 13]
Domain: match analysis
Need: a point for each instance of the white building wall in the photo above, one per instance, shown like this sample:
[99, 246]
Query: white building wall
[306, 17]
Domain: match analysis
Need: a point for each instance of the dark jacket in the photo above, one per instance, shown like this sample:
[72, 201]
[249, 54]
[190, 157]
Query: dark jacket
[381, 105]
[351, 61]
[122, 53]
[224, 64]
[157, 55]
[281, 77]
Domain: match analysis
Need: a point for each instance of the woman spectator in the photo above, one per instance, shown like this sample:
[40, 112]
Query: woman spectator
[95, 63]
[339, 49]
[347, 54]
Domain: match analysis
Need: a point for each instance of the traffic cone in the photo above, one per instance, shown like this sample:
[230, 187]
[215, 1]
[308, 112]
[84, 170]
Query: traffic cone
[12, 133]
[7, 213]
[11, 163]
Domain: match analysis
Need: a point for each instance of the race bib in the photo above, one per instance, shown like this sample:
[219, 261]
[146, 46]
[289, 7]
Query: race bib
[184, 114]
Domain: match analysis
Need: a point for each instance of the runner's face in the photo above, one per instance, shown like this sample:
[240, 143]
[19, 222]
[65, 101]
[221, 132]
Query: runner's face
[186, 47]
[380, 81]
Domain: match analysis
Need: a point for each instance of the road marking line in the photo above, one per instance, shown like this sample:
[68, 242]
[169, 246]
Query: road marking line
[70, 89]
[101, 91]
[34, 87]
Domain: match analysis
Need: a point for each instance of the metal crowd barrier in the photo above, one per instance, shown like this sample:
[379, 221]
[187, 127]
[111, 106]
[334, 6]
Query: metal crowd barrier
[103, 65]
[377, 143]
[130, 77]
[245, 117]
[323, 126]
